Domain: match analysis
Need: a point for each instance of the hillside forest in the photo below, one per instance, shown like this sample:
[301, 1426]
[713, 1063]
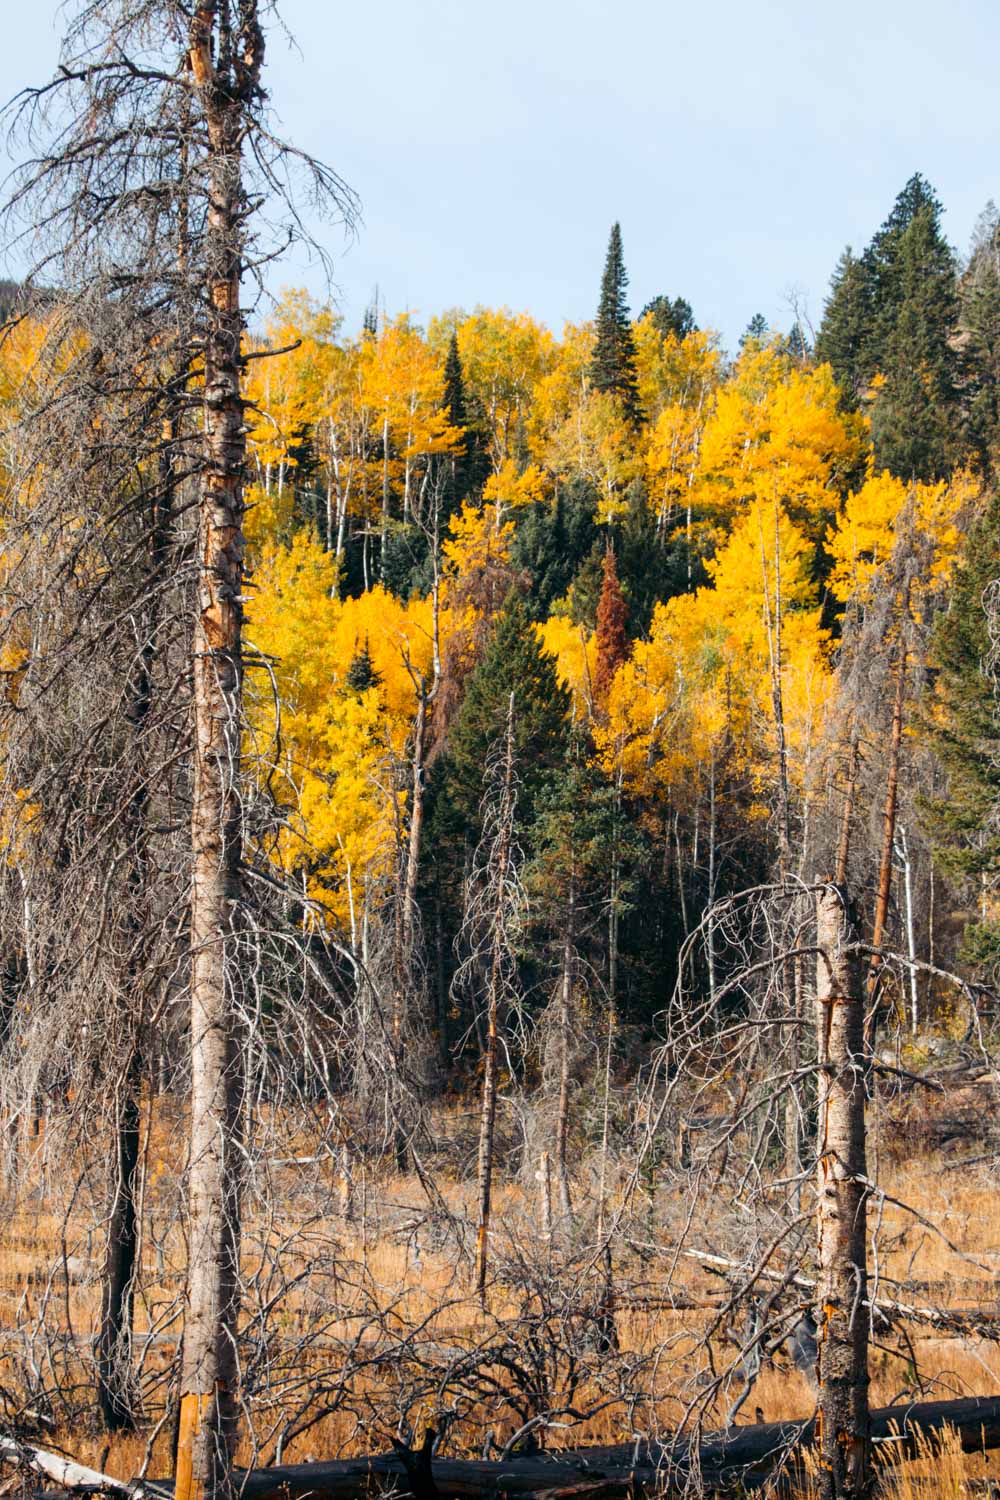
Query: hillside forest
[497, 822]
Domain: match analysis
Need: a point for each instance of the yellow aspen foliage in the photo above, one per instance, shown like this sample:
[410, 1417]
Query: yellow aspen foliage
[511, 488]
[328, 755]
[776, 432]
[862, 540]
[598, 443]
[285, 390]
[504, 355]
[704, 679]
[675, 372]
[575, 651]
[403, 382]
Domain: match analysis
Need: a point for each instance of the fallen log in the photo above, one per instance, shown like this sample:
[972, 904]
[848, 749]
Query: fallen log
[975, 1322]
[64, 1472]
[740, 1457]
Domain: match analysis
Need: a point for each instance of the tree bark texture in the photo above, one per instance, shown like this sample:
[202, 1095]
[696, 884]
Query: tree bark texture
[225, 69]
[842, 1314]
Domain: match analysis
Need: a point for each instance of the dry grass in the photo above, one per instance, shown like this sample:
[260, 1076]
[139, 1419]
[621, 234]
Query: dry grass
[46, 1231]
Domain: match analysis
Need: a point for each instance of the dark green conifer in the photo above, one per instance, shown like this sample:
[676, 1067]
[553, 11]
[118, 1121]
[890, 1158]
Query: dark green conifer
[612, 365]
[755, 332]
[979, 295]
[513, 662]
[840, 342]
[965, 732]
[362, 674]
[669, 317]
[894, 314]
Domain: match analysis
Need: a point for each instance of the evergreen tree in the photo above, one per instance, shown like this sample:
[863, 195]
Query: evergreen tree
[841, 338]
[966, 735]
[611, 634]
[915, 414]
[513, 662]
[612, 366]
[893, 314]
[552, 540]
[797, 344]
[362, 673]
[755, 331]
[979, 295]
[674, 317]
[470, 466]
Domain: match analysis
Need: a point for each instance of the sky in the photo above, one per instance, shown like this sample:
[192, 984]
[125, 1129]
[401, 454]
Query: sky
[741, 147]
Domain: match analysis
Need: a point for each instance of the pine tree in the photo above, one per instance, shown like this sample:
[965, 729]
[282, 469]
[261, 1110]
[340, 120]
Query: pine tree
[979, 294]
[513, 662]
[611, 633]
[612, 366]
[915, 414]
[965, 732]
[893, 314]
[362, 673]
[755, 332]
[841, 338]
[670, 318]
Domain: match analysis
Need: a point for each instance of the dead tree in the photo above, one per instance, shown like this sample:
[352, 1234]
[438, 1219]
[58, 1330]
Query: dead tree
[490, 962]
[842, 1314]
[159, 111]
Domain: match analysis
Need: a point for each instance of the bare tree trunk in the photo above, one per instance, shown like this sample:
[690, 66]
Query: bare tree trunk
[844, 842]
[562, 1116]
[114, 1344]
[888, 823]
[544, 1179]
[842, 1316]
[208, 1377]
[491, 1060]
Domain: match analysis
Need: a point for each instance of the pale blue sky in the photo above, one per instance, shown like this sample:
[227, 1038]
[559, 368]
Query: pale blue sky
[740, 146]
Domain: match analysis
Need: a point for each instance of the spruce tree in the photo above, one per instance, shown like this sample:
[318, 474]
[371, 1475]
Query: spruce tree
[670, 318]
[755, 332]
[915, 414]
[612, 365]
[965, 732]
[513, 662]
[552, 540]
[362, 673]
[893, 313]
[841, 339]
[470, 467]
[979, 295]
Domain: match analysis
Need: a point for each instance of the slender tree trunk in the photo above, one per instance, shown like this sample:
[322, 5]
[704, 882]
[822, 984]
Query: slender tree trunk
[544, 1179]
[562, 1117]
[888, 822]
[842, 1317]
[844, 842]
[903, 853]
[491, 1059]
[208, 1377]
[114, 1345]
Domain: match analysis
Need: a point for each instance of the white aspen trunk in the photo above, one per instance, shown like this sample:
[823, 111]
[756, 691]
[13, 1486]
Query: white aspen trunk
[544, 1178]
[903, 854]
[488, 1112]
[842, 1317]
